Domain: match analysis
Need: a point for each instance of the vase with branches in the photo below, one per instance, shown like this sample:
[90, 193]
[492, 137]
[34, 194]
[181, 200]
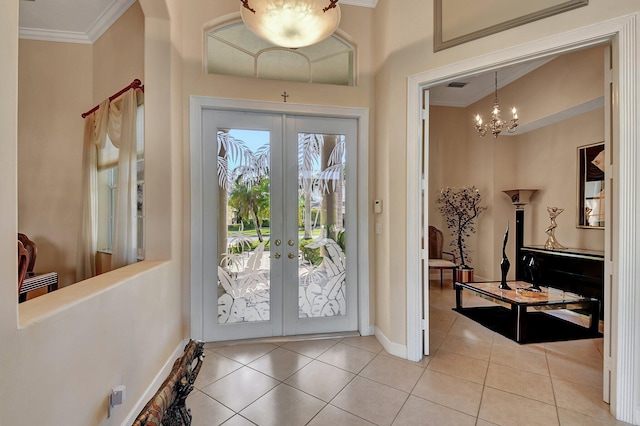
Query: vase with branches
[460, 208]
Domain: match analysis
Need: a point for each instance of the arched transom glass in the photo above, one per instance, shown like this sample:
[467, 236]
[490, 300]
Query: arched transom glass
[234, 50]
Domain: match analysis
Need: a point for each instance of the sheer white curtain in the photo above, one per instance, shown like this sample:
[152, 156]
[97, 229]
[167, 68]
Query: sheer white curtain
[95, 136]
[122, 132]
[118, 120]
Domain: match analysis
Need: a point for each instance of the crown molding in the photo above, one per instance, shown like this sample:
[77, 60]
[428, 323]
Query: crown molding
[99, 27]
[54, 35]
[108, 18]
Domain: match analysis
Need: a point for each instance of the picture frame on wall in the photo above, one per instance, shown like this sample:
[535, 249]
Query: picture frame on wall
[460, 21]
[591, 186]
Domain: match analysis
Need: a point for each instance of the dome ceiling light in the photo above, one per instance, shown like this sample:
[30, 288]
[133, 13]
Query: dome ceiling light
[291, 23]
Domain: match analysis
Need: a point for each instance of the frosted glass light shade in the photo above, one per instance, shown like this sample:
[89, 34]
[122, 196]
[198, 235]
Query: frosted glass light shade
[291, 23]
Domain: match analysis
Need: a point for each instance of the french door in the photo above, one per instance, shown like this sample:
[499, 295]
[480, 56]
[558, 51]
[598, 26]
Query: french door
[279, 225]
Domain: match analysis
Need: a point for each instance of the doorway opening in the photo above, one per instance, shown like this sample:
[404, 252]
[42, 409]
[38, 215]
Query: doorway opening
[620, 267]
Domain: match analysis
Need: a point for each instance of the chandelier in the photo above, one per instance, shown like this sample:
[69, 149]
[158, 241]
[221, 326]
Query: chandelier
[496, 125]
[291, 23]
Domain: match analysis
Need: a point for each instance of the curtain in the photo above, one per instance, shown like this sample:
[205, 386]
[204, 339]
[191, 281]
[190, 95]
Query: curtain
[116, 119]
[94, 137]
[122, 132]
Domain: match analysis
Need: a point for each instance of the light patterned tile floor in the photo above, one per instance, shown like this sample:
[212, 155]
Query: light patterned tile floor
[472, 377]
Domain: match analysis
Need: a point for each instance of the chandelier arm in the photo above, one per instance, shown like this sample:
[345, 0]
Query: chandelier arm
[332, 5]
[245, 3]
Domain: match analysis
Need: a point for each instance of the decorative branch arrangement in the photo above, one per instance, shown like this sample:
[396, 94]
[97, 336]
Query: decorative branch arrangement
[460, 207]
[167, 406]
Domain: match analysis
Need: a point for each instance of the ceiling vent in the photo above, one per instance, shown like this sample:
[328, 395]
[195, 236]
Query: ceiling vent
[457, 84]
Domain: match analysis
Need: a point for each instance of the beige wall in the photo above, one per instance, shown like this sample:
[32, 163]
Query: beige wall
[129, 321]
[404, 48]
[64, 351]
[118, 55]
[543, 159]
[356, 23]
[548, 160]
[52, 95]
[199, 14]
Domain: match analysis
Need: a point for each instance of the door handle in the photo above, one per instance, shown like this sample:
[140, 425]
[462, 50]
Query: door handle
[291, 243]
[291, 256]
[277, 242]
[277, 255]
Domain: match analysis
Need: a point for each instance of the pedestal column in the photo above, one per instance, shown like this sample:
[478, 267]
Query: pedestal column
[519, 243]
[519, 198]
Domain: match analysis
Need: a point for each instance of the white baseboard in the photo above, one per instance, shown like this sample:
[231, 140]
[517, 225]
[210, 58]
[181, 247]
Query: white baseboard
[155, 384]
[394, 349]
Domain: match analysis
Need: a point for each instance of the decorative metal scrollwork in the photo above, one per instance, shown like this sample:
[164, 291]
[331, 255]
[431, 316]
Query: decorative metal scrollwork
[245, 3]
[332, 5]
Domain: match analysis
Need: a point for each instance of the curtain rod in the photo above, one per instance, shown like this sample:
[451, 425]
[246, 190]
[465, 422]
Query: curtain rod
[135, 84]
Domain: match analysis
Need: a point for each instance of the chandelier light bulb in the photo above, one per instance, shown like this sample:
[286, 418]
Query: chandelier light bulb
[291, 23]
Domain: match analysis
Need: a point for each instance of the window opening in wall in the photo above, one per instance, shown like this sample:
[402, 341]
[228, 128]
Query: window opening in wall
[234, 50]
[107, 191]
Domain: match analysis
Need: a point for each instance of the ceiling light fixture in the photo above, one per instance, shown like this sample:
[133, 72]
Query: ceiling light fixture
[496, 125]
[291, 23]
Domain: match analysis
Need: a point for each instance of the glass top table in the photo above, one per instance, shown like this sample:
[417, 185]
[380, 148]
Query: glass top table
[521, 305]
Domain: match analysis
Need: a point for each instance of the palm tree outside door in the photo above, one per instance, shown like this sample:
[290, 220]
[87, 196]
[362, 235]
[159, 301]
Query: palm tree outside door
[280, 214]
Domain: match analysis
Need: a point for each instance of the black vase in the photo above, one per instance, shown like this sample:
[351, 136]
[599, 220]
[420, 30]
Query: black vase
[504, 263]
[504, 267]
[532, 269]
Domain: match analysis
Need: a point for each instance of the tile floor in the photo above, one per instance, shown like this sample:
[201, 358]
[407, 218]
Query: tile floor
[472, 377]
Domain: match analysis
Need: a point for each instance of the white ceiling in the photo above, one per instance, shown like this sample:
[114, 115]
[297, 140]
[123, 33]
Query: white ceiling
[480, 85]
[70, 21]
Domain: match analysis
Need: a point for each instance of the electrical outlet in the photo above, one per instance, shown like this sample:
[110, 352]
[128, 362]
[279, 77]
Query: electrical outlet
[117, 397]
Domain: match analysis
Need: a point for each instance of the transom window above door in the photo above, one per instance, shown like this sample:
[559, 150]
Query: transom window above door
[234, 50]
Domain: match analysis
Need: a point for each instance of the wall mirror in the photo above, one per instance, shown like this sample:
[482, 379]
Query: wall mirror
[460, 21]
[591, 191]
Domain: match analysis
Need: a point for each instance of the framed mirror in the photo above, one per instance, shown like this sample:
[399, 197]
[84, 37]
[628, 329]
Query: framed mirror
[591, 190]
[460, 21]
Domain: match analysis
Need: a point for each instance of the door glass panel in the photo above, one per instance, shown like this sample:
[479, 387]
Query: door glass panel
[243, 226]
[321, 221]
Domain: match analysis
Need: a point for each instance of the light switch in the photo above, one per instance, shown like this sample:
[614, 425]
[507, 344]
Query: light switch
[377, 207]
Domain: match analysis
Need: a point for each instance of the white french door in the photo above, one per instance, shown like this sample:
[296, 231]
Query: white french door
[279, 225]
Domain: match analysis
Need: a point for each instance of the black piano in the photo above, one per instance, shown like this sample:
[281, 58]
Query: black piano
[574, 270]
